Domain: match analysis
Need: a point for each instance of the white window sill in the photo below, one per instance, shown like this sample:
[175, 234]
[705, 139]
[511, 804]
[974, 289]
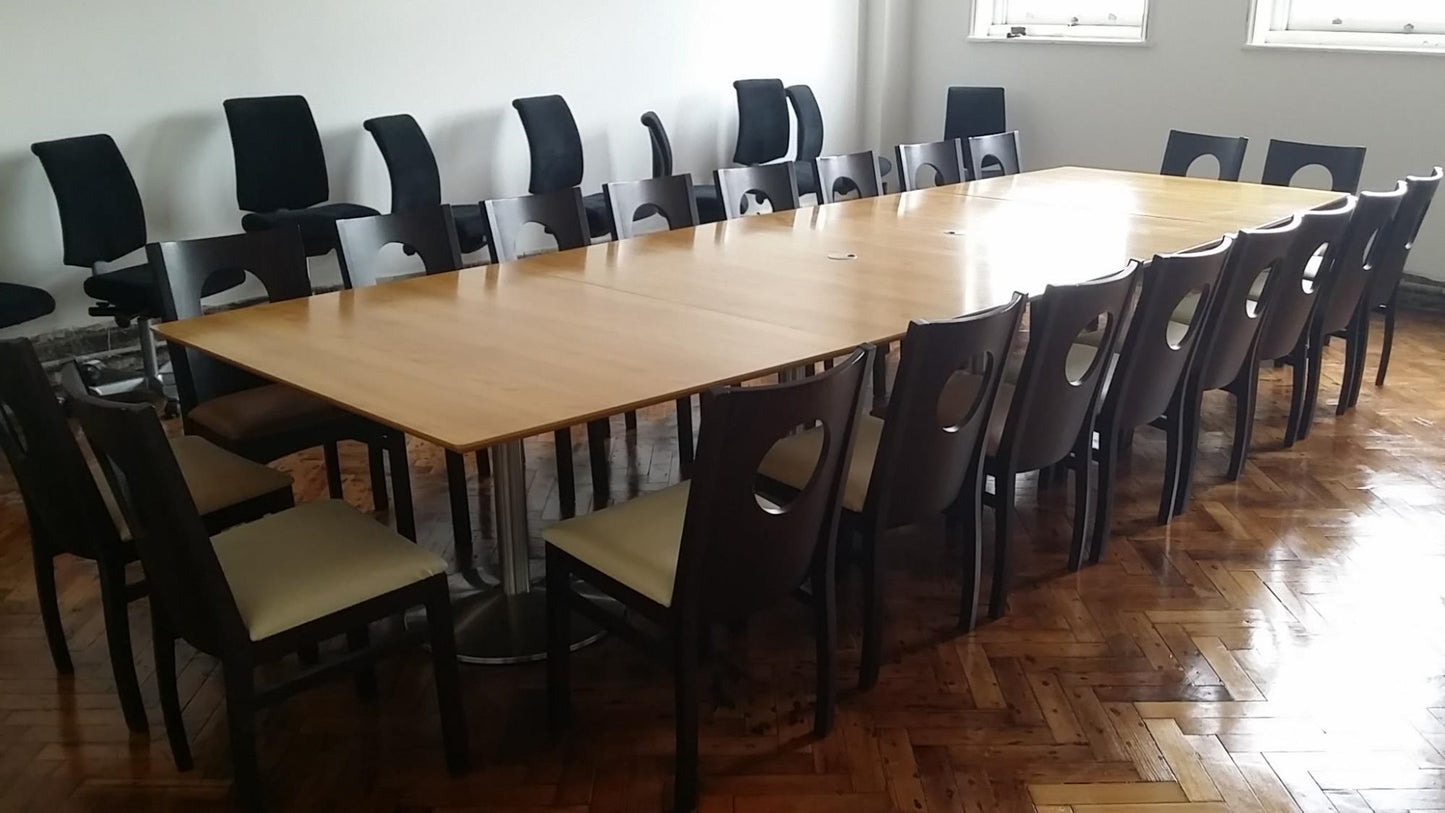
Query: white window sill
[1045, 40]
[1342, 49]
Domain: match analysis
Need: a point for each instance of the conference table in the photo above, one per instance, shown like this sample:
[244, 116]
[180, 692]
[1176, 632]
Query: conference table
[484, 357]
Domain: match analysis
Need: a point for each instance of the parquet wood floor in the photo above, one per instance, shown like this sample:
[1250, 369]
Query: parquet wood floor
[1278, 648]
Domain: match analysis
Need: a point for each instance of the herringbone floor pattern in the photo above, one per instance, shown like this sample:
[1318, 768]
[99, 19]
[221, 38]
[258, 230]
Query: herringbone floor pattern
[1277, 648]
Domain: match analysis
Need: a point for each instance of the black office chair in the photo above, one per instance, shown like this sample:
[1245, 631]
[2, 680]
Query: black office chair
[763, 126]
[810, 138]
[1286, 158]
[556, 149]
[1184, 148]
[102, 220]
[709, 207]
[416, 183]
[993, 156]
[22, 303]
[841, 174]
[281, 179]
[775, 182]
[945, 158]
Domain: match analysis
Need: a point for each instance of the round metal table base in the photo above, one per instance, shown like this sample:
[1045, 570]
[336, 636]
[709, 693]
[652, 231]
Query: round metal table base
[495, 628]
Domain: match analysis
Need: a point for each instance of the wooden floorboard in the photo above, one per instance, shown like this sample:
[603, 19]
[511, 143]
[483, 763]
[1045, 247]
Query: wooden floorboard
[1280, 647]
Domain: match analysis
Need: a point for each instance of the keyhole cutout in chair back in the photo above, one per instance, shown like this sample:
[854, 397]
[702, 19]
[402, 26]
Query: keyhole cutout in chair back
[250, 289]
[1189, 312]
[533, 238]
[1084, 355]
[845, 189]
[800, 452]
[963, 392]
[1257, 288]
[1312, 176]
[1205, 166]
[927, 177]
[1312, 268]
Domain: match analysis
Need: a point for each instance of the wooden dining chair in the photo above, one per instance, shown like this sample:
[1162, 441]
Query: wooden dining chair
[920, 465]
[239, 412]
[710, 550]
[249, 595]
[1228, 346]
[562, 215]
[1285, 159]
[71, 512]
[1390, 270]
[1145, 383]
[993, 155]
[1184, 148]
[839, 175]
[944, 158]
[1339, 312]
[774, 182]
[1045, 418]
[1290, 297]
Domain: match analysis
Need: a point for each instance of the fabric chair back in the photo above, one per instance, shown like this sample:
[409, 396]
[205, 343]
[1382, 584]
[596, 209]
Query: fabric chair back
[763, 127]
[554, 142]
[810, 122]
[101, 215]
[416, 183]
[661, 145]
[974, 111]
[280, 163]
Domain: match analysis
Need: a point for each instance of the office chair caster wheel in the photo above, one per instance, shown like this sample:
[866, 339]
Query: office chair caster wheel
[172, 409]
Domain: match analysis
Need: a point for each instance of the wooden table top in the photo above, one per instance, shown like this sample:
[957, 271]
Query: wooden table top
[476, 357]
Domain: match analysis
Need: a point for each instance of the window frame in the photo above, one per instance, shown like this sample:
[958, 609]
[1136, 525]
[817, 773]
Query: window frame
[1269, 28]
[985, 26]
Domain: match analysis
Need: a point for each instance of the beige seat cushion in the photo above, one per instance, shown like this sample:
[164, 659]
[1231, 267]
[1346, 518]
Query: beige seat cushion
[266, 410]
[793, 459]
[216, 478]
[319, 558]
[636, 542]
[1184, 312]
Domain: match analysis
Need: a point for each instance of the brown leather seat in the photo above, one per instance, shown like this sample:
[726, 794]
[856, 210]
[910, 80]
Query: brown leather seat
[270, 409]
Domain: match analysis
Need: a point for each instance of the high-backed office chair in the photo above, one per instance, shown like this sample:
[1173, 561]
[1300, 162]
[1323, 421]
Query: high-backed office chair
[709, 551]
[810, 137]
[249, 595]
[1147, 378]
[281, 179]
[1286, 158]
[562, 215]
[921, 465]
[944, 158]
[974, 111]
[993, 155]
[1341, 294]
[1390, 270]
[102, 220]
[1046, 417]
[709, 208]
[843, 174]
[23, 303]
[416, 183]
[246, 415]
[775, 182]
[556, 149]
[763, 126]
[1183, 149]
[69, 512]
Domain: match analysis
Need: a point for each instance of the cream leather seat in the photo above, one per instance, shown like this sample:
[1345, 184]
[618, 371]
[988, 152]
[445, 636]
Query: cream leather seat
[635, 542]
[793, 459]
[319, 558]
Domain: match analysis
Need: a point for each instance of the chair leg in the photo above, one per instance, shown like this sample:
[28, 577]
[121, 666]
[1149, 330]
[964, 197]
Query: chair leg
[50, 609]
[566, 480]
[363, 678]
[1002, 515]
[685, 693]
[1388, 344]
[1314, 357]
[601, 468]
[825, 635]
[1104, 497]
[559, 634]
[1299, 383]
[684, 436]
[1352, 367]
[405, 512]
[1189, 447]
[376, 466]
[1246, 391]
[333, 470]
[241, 720]
[629, 420]
[1083, 479]
[484, 464]
[872, 611]
[461, 510]
[1358, 381]
[444, 670]
[1174, 443]
[164, 643]
[117, 639]
[965, 523]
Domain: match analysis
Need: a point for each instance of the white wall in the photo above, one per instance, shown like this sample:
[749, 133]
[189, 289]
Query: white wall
[1112, 106]
[153, 73]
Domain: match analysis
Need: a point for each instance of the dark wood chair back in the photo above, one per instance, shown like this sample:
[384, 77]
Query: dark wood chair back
[560, 213]
[840, 174]
[776, 182]
[943, 396]
[276, 258]
[993, 155]
[1184, 148]
[671, 197]
[416, 183]
[1151, 364]
[661, 145]
[739, 554]
[62, 500]
[430, 233]
[1400, 237]
[1288, 297]
[945, 158]
[180, 565]
[1343, 286]
[1050, 406]
[1231, 328]
[1286, 158]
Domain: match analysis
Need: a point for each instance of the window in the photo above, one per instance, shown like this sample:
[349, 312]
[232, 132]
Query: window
[1384, 25]
[1060, 20]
